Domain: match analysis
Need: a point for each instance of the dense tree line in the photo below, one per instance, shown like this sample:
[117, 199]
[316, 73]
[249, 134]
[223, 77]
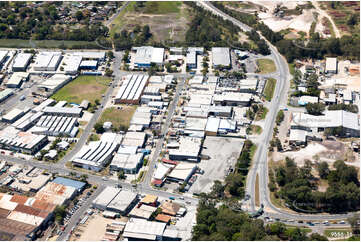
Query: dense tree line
[225, 224]
[209, 30]
[347, 107]
[138, 37]
[298, 187]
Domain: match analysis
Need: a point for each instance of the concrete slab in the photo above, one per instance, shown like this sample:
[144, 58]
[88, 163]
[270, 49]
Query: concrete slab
[223, 153]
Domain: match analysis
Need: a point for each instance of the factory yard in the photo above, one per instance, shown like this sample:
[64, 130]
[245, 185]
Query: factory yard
[89, 88]
[223, 153]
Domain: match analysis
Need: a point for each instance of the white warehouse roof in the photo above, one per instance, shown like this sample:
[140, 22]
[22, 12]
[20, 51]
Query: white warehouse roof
[221, 56]
[149, 54]
[21, 60]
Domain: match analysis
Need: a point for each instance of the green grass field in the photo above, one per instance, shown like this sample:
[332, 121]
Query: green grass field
[83, 87]
[118, 117]
[68, 44]
[162, 7]
[266, 66]
[269, 89]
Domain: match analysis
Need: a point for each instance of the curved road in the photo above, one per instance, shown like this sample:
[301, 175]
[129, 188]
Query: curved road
[260, 166]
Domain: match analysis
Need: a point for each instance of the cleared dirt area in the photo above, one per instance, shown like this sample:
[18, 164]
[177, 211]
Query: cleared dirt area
[94, 229]
[164, 24]
[328, 151]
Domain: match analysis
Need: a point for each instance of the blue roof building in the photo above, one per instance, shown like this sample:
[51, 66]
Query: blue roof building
[79, 186]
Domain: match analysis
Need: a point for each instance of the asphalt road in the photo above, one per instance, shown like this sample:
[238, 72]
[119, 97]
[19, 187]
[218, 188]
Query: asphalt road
[147, 180]
[260, 165]
[79, 214]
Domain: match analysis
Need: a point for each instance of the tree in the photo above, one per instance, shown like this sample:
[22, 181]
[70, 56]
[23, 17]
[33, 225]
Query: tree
[218, 189]
[79, 15]
[59, 213]
[280, 117]
[315, 108]
[354, 223]
[352, 20]
[84, 178]
[323, 169]
[121, 175]
[317, 237]
[97, 102]
[99, 128]
[110, 54]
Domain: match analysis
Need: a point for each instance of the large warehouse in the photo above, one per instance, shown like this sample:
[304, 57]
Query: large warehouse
[12, 139]
[132, 89]
[16, 79]
[71, 64]
[221, 57]
[21, 61]
[146, 55]
[56, 125]
[3, 55]
[97, 153]
[54, 83]
[105, 197]
[47, 61]
[63, 111]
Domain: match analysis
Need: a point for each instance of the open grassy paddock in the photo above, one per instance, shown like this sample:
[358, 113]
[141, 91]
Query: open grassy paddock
[167, 20]
[83, 87]
[67, 44]
[118, 117]
[269, 89]
[266, 66]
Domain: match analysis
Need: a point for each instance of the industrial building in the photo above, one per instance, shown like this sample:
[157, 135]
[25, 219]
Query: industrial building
[23, 217]
[331, 65]
[71, 64]
[129, 163]
[91, 55]
[191, 60]
[56, 126]
[47, 61]
[198, 50]
[350, 122]
[14, 115]
[136, 139]
[141, 229]
[232, 99]
[27, 121]
[182, 172]
[24, 142]
[41, 106]
[221, 126]
[249, 85]
[30, 182]
[96, 154]
[123, 202]
[160, 174]
[21, 61]
[63, 111]
[4, 94]
[57, 194]
[54, 83]
[189, 149]
[16, 79]
[105, 197]
[146, 55]
[221, 57]
[144, 212]
[132, 89]
[89, 65]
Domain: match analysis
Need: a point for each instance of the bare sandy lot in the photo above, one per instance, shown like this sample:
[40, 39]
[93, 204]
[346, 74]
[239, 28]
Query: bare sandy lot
[94, 229]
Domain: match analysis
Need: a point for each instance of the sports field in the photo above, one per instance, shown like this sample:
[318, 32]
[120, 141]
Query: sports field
[90, 88]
